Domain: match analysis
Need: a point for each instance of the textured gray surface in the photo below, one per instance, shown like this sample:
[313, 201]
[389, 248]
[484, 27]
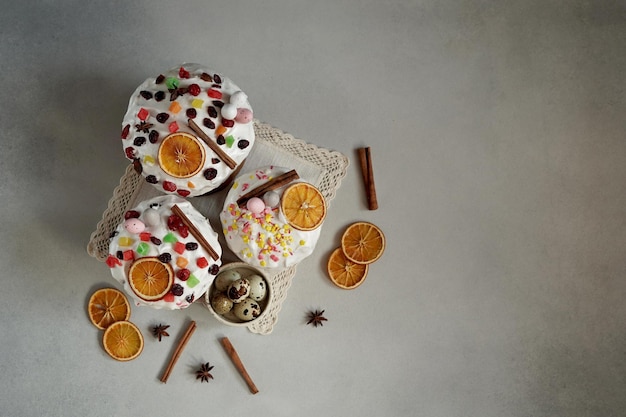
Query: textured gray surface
[497, 131]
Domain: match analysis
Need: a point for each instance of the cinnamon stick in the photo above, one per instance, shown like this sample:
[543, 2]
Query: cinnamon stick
[365, 158]
[195, 232]
[214, 146]
[272, 184]
[238, 364]
[182, 342]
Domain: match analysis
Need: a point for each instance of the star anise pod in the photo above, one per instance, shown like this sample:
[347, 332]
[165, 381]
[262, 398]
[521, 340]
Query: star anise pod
[316, 318]
[160, 331]
[144, 126]
[177, 92]
[204, 373]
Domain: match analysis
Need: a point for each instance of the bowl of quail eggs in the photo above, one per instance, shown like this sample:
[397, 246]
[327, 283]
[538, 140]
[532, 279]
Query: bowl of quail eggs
[239, 295]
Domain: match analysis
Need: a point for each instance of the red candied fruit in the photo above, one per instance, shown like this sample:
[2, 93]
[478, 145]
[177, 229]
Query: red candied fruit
[145, 236]
[179, 248]
[184, 193]
[143, 114]
[131, 214]
[169, 186]
[129, 255]
[125, 131]
[183, 73]
[183, 274]
[202, 262]
[173, 127]
[214, 93]
[228, 123]
[112, 261]
[194, 89]
[169, 298]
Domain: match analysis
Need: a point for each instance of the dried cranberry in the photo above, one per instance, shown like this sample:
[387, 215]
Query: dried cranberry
[146, 94]
[131, 214]
[243, 144]
[159, 95]
[151, 179]
[155, 240]
[165, 257]
[125, 131]
[183, 274]
[208, 123]
[210, 173]
[191, 246]
[194, 89]
[214, 269]
[183, 73]
[162, 117]
[174, 222]
[228, 123]
[153, 137]
[139, 140]
[169, 186]
[212, 111]
[191, 113]
[130, 152]
[137, 166]
[213, 93]
[183, 231]
[183, 193]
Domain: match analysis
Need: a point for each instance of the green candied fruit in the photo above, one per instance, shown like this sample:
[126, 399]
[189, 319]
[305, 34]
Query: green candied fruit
[143, 248]
[170, 238]
[171, 83]
[192, 281]
[230, 140]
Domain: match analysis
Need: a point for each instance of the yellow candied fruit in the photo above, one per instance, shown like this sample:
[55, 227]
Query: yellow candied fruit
[181, 262]
[125, 241]
[197, 103]
[148, 160]
[263, 263]
[302, 243]
[175, 107]
[245, 239]
[285, 254]
[235, 185]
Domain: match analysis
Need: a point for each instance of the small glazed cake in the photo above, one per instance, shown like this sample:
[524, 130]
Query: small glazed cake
[263, 231]
[164, 253]
[188, 130]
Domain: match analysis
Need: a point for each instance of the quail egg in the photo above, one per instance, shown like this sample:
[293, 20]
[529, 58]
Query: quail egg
[224, 279]
[238, 290]
[258, 287]
[247, 310]
[221, 303]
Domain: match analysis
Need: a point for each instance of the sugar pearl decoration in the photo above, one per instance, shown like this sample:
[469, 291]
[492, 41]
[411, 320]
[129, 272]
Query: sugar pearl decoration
[271, 198]
[229, 111]
[238, 98]
[255, 205]
[151, 217]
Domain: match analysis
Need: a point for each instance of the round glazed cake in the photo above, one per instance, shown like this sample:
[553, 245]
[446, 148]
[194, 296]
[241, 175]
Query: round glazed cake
[188, 130]
[164, 253]
[258, 232]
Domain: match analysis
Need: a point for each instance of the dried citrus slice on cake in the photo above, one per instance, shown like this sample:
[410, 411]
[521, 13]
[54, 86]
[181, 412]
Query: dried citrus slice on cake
[150, 278]
[106, 306]
[363, 242]
[304, 206]
[181, 155]
[343, 272]
[122, 340]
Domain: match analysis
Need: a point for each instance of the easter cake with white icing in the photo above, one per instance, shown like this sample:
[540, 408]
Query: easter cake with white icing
[165, 253]
[188, 131]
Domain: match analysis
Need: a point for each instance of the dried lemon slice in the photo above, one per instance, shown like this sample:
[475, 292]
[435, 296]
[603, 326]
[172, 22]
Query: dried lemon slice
[343, 272]
[363, 242]
[150, 278]
[304, 206]
[122, 340]
[181, 155]
[106, 306]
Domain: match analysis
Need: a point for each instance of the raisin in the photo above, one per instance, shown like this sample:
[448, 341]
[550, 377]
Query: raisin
[228, 123]
[153, 137]
[155, 240]
[151, 179]
[208, 123]
[243, 144]
[159, 95]
[206, 77]
[162, 117]
[191, 246]
[160, 79]
[220, 140]
[177, 290]
[210, 173]
[190, 298]
[165, 257]
[212, 111]
[217, 79]
[218, 103]
[131, 214]
[139, 140]
[214, 269]
[119, 254]
[146, 94]
[137, 166]
[191, 113]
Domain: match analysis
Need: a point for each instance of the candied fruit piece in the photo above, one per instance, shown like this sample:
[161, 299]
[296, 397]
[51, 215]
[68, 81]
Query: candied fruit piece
[173, 127]
[143, 248]
[129, 255]
[169, 297]
[170, 238]
[175, 107]
[182, 262]
[143, 114]
[214, 93]
[171, 83]
[125, 241]
[192, 281]
[112, 261]
[179, 247]
[202, 262]
[197, 103]
[230, 141]
[220, 130]
[145, 236]
[149, 160]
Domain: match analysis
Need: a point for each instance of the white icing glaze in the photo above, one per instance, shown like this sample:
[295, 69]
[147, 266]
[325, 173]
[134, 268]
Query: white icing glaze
[144, 106]
[141, 245]
[263, 240]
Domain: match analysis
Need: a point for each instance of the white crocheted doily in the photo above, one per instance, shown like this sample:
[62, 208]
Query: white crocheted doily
[321, 167]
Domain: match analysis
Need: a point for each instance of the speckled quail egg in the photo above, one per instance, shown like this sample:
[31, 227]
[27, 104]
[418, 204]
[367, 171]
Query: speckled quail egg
[238, 290]
[225, 278]
[258, 287]
[221, 303]
[247, 310]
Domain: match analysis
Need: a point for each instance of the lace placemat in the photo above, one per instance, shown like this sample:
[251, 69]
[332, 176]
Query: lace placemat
[321, 167]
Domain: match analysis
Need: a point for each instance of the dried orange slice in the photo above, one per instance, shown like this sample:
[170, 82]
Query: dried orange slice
[122, 340]
[150, 278]
[304, 206]
[363, 242]
[106, 306]
[181, 155]
[343, 272]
